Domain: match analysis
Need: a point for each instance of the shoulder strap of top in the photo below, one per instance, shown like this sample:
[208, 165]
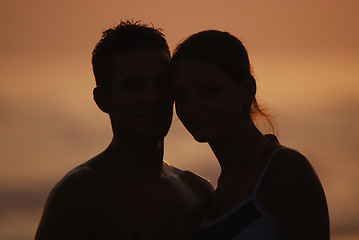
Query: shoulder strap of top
[252, 175]
[264, 171]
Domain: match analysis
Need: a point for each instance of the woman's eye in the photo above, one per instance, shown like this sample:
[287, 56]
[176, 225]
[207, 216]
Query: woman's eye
[179, 96]
[163, 82]
[133, 85]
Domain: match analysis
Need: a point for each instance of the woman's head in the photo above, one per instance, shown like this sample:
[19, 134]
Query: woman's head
[219, 48]
[223, 51]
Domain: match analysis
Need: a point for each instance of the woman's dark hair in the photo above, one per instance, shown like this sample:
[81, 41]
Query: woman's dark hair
[223, 50]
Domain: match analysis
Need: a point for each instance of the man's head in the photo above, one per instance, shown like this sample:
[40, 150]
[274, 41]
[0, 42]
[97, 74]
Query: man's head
[127, 36]
[131, 67]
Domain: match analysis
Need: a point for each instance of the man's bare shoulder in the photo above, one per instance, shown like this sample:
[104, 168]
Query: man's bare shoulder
[70, 203]
[75, 188]
[192, 180]
[75, 180]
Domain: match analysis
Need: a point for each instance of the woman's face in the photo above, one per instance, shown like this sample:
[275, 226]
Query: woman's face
[209, 103]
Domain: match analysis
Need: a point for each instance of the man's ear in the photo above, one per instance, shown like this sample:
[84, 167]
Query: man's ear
[102, 99]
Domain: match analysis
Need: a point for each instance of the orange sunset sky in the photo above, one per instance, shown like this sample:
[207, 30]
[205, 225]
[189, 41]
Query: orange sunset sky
[305, 56]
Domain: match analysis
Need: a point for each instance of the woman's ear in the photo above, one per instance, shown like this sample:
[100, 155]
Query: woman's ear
[102, 99]
[250, 88]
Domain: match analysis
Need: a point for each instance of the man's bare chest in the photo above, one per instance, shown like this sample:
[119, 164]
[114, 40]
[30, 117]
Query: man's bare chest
[148, 212]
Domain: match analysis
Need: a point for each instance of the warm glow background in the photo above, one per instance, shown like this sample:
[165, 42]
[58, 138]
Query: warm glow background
[305, 55]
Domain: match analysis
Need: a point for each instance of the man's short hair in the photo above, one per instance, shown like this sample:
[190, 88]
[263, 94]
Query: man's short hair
[126, 37]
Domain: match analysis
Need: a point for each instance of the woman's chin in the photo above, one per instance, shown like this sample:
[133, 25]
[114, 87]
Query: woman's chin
[201, 139]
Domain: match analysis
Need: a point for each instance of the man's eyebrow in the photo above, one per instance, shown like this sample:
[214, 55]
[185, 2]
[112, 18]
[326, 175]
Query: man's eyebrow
[162, 75]
[209, 80]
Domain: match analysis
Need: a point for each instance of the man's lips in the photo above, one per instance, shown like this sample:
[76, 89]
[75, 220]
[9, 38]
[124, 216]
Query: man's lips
[151, 115]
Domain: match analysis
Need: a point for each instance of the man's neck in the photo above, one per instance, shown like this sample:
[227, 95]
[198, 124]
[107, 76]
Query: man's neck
[144, 157]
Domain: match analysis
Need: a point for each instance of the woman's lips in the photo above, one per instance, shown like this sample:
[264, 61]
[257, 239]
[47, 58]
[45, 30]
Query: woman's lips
[199, 121]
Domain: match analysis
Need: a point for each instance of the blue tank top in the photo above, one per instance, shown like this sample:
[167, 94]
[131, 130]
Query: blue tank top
[246, 221]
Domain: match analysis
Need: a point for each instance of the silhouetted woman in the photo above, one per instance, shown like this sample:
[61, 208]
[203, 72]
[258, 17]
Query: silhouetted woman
[265, 190]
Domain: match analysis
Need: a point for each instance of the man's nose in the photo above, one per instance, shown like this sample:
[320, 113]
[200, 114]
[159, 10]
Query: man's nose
[152, 94]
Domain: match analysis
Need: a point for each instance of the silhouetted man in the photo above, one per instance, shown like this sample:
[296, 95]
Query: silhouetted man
[128, 191]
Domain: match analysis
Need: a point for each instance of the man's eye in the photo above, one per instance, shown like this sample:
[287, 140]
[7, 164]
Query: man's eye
[210, 91]
[134, 86]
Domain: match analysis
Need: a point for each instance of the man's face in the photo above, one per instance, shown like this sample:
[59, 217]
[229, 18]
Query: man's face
[141, 104]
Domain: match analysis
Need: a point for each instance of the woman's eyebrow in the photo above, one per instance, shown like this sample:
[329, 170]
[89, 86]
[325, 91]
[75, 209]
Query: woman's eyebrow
[209, 80]
[177, 87]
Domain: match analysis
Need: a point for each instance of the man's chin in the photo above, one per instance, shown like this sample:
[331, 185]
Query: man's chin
[153, 136]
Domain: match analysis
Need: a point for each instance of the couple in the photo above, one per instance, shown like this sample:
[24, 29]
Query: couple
[265, 190]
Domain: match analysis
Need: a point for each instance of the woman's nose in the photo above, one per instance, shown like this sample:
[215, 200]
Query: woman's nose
[191, 107]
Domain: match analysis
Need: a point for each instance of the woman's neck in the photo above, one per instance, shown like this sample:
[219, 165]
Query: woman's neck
[235, 151]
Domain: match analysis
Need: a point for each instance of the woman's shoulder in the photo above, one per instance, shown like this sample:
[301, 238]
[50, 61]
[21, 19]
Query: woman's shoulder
[283, 159]
[297, 195]
[290, 173]
[289, 163]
